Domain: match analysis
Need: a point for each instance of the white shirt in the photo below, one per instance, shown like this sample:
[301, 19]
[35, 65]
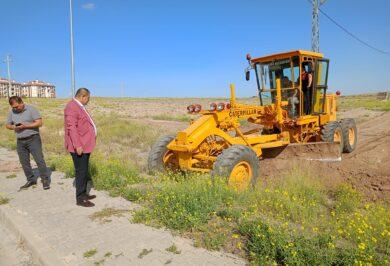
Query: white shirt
[90, 118]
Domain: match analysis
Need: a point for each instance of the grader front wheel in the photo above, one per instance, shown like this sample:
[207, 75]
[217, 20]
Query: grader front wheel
[239, 165]
[160, 158]
[332, 132]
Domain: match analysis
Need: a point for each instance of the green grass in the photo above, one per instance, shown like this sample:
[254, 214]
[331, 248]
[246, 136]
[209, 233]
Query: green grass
[106, 213]
[110, 174]
[368, 101]
[180, 118]
[11, 176]
[298, 220]
[173, 249]
[108, 254]
[4, 200]
[90, 253]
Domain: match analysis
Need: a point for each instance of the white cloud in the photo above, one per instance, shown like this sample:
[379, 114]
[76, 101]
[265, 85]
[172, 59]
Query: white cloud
[88, 6]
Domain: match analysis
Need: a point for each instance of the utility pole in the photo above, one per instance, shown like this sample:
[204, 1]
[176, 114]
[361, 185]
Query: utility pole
[7, 61]
[315, 26]
[71, 49]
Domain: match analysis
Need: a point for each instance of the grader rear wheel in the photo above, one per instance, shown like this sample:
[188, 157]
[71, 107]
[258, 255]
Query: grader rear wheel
[349, 129]
[239, 165]
[160, 158]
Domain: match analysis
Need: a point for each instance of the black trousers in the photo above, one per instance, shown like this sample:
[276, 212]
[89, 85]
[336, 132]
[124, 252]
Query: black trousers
[81, 166]
[307, 101]
[32, 145]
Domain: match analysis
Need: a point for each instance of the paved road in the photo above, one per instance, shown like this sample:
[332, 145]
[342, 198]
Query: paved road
[51, 218]
[13, 252]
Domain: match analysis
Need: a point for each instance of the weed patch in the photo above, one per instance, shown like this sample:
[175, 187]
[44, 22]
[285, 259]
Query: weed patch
[108, 254]
[173, 249]
[144, 252]
[104, 215]
[4, 200]
[90, 253]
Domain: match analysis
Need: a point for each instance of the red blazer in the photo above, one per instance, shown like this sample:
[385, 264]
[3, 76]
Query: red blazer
[79, 130]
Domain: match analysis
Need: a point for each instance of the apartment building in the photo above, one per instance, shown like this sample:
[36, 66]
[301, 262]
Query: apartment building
[38, 89]
[7, 91]
[31, 89]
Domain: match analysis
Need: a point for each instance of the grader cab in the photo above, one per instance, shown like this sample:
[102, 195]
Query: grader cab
[294, 108]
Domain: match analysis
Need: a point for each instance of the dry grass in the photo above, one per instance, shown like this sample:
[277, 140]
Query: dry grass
[4, 200]
[144, 252]
[173, 249]
[104, 215]
[90, 253]
[11, 176]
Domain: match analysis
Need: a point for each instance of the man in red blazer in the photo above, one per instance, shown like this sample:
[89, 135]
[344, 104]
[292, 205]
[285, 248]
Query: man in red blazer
[80, 140]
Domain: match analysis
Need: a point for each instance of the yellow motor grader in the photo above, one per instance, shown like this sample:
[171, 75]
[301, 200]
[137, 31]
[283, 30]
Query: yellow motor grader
[294, 108]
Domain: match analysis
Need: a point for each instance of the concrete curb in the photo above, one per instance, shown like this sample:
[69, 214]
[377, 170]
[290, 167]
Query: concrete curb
[42, 254]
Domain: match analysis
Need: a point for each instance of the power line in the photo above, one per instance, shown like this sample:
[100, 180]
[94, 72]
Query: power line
[350, 33]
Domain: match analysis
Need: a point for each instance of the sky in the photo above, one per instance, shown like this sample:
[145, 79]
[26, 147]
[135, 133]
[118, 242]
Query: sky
[187, 48]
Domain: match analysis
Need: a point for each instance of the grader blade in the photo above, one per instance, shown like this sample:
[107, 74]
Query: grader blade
[318, 151]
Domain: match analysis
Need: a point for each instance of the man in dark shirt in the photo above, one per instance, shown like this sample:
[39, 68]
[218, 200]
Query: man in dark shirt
[25, 120]
[307, 89]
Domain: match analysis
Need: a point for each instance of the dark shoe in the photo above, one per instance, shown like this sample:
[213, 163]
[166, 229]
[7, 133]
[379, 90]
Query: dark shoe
[85, 203]
[89, 197]
[28, 184]
[46, 184]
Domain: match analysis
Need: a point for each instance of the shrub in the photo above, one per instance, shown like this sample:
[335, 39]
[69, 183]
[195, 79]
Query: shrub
[186, 205]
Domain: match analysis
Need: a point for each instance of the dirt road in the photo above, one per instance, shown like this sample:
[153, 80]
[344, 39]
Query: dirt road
[367, 168]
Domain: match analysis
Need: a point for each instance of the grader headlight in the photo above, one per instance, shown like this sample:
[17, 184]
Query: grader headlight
[221, 106]
[197, 108]
[191, 108]
[213, 107]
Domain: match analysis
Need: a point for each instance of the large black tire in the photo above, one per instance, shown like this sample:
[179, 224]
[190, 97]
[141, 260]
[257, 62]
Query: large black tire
[330, 131]
[348, 126]
[156, 154]
[233, 156]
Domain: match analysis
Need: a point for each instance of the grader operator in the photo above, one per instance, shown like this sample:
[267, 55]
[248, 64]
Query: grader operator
[294, 108]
